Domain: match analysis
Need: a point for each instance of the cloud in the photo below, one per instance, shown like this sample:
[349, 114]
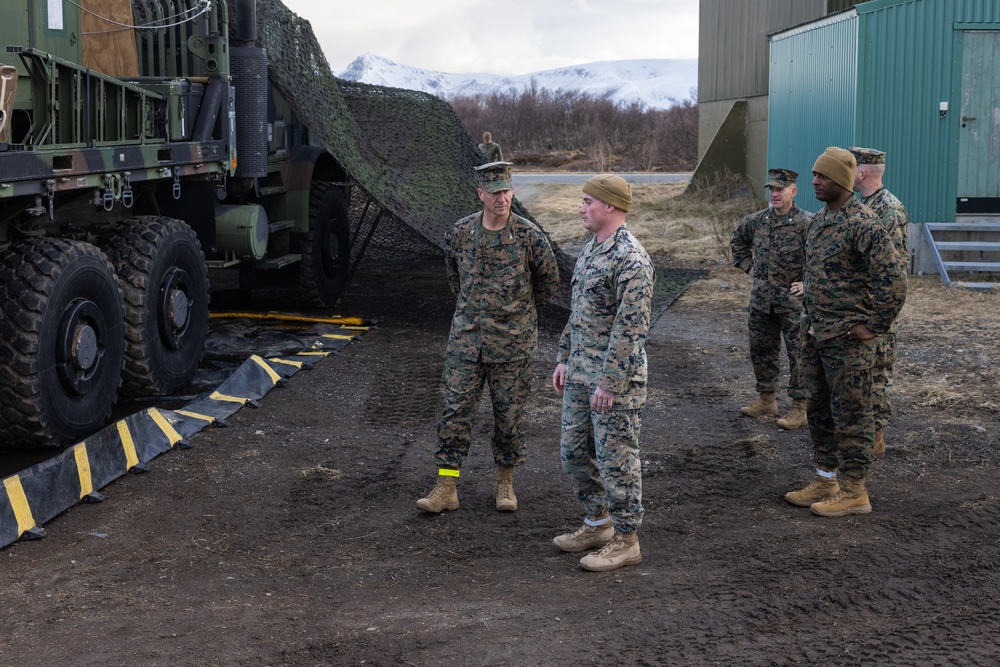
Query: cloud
[513, 37]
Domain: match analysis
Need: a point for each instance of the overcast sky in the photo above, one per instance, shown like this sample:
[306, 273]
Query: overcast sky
[512, 37]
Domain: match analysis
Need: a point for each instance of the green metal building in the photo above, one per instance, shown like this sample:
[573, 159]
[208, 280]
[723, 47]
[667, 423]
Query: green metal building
[733, 68]
[919, 79]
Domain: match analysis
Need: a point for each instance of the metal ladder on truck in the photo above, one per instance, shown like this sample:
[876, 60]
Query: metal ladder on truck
[953, 252]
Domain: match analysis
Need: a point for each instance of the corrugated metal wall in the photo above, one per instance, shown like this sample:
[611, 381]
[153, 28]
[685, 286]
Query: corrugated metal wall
[911, 55]
[876, 76]
[732, 48]
[813, 93]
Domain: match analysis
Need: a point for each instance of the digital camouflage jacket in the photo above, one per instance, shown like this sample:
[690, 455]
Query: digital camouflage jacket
[501, 283]
[492, 152]
[894, 218]
[604, 340]
[774, 247]
[851, 274]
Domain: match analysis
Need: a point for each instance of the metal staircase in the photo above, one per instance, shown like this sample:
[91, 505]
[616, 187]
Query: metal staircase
[958, 247]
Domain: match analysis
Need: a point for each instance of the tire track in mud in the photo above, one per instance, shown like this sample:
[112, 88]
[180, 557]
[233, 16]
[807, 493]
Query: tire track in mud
[756, 578]
[732, 574]
[405, 389]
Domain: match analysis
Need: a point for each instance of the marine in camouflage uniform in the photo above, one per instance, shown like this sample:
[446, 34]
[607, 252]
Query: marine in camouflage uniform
[502, 277]
[892, 213]
[854, 288]
[490, 149]
[601, 373]
[770, 246]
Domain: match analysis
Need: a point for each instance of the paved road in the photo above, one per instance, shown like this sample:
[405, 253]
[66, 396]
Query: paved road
[579, 179]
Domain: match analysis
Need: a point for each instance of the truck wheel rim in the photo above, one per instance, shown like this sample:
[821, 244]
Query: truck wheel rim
[175, 307]
[80, 348]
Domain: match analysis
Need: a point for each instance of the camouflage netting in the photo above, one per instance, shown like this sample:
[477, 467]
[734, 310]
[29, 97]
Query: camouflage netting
[405, 149]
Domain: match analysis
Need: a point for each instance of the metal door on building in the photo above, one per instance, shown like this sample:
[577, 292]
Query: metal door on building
[979, 131]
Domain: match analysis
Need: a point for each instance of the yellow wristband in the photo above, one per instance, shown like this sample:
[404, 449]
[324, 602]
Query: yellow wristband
[447, 472]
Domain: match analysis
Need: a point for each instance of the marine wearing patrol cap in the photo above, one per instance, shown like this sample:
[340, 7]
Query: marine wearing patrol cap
[868, 155]
[781, 178]
[495, 176]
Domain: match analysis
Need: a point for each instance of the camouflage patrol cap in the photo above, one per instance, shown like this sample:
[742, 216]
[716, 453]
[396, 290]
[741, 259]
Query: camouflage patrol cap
[868, 155]
[495, 176]
[781, 178]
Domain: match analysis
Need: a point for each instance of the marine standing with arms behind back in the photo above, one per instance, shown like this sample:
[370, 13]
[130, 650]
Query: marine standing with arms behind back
[769, 245]
[854, 288]
[601, 374]
[502, 270]
[490, 149]
[892, 213]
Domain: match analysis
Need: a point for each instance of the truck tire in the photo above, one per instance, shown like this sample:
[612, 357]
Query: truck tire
[62, 342]
[325, 248]
[165, 283]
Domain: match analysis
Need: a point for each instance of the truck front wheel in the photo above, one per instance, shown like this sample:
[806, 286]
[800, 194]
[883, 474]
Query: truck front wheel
[325, 248]
[62, 342]
[165, 282]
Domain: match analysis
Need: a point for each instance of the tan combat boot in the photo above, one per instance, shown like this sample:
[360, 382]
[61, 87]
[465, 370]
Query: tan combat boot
[796, 417]
[852, 499]
[622, 550]
[587, 537]
[444, 496]
[821, 488]
[504, 489]
[765, 405]
[878, 449]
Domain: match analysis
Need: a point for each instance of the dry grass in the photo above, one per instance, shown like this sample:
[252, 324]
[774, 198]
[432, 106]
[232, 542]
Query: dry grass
[683, 230]
[947, 347]
[320, 471]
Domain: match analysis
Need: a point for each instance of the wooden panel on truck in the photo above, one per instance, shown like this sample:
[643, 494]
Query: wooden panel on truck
[108, 47]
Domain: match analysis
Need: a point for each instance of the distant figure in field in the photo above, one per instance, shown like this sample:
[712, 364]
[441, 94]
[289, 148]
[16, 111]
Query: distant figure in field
[490, 149]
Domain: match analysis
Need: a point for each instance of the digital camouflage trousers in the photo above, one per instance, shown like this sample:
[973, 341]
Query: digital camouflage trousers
[838, 377]
[885, 357]
[600, 455]
[766, 333]
[510, 386]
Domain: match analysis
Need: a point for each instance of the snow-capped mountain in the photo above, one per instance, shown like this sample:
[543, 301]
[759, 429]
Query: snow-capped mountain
[656, 83]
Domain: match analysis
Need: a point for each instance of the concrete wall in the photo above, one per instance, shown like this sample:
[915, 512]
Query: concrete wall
[710, 118]
[726, 152]
[744, 155]
[756, 167]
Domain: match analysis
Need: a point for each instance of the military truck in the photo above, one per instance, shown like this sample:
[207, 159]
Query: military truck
[141, 145]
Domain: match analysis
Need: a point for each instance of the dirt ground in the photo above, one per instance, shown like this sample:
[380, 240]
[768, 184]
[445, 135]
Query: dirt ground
[291, 538]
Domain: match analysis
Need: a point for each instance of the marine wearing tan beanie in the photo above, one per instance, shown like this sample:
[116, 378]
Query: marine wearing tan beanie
[613, 190]
[838, 165]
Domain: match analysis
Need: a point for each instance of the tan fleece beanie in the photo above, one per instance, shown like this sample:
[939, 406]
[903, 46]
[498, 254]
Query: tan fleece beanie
[613, 190]
[838, 165]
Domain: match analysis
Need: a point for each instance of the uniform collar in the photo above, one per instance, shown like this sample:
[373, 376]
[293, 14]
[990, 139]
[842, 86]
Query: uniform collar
[506, 234]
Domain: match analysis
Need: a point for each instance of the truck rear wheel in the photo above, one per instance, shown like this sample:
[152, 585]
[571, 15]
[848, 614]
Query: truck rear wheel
[325, 248]
[165, 283]
[62, 342]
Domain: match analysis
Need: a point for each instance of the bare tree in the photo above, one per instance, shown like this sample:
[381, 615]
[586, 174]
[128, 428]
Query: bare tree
[614, 135]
